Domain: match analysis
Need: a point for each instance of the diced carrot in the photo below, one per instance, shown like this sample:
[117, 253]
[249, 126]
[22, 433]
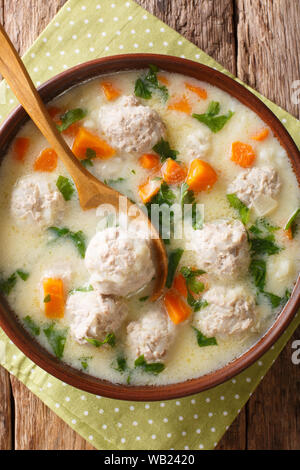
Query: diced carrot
[261, 135]
[54, 112]
[86, 140]
[20, 149]
[172, 172]
[148, 190]
[197, 89]
[149, 161]
[163, 79]
[181, 105]
[289, 233]
[110, 91]
[201, 176]
[176, 307]
[179, 284]
[54, 298]
[47, 161]
[242, 154]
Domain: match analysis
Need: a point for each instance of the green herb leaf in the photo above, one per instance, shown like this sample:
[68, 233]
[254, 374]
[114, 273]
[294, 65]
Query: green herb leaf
[204, 341]
[110, 339]
[78, 238]
[47, 299]
[121, 364]
[22, 274]
[70, 117]
[264, 246]
[210, 118]
[32, 326]
[151, 368]
[242, 209]
[143, 299]
[291, 223]
[164, 150]
[65, 186]
[174, 258]
[145, 85]
[258, 272]
[84, 362]
[196, 304]
[190, 276]
[56, 339]
[6, 285]
[275, 300]
[88, 288]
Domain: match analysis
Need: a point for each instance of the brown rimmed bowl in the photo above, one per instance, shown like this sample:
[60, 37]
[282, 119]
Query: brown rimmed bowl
[88, 383]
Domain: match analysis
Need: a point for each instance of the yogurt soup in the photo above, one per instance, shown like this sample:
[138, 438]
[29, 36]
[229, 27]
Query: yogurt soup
[80, 281]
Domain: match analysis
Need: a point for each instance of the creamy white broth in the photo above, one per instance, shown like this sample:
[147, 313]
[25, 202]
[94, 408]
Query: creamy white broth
[31, 250]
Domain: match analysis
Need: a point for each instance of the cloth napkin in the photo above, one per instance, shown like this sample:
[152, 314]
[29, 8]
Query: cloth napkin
[81, 31]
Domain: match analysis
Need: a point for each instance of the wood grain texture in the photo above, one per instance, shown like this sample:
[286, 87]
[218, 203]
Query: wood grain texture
[38, 428]
[268, 52]
[207, 23]
[259, 41]
[6, 441]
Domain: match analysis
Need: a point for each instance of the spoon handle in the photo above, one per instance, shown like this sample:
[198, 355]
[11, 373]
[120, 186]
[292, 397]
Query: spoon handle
[14, 71]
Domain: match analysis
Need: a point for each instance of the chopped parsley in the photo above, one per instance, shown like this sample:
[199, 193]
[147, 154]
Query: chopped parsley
[211, 118]
[88, 288]
[143, 299]
[78, 238]
[187, 196]
[70, 117]
[65, 186]
[291, 223]
[84, 362]
[32, 326]
[196, 304]
[47, 299]
[190, 276]
[151, 368]
[258, 271]
[203, 340]
[6, 285]
[264, 245]
[56, 339]
[144, 86]
[90, 155]
[238, 205]
[109, 339]
[164, 150]
[174, 258]
[165, 196]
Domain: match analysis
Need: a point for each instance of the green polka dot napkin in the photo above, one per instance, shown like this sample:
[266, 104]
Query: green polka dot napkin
[84, 30]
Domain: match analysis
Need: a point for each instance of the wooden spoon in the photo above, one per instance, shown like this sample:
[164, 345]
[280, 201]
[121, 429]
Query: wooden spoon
[91, 191]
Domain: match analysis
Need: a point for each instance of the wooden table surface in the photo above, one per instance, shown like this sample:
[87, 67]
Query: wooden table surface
[257, 40]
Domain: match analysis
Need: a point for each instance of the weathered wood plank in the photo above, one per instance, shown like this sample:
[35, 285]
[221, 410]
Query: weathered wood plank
[38, 428]
[208, 24]
[24, 20]
[236, 436]
[6, 442]
[273, 413]
[268, 48]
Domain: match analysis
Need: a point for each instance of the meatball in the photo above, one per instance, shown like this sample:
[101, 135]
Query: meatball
[36, 201]
[93, 315]
[222, 248]
[152, 335]
[197, 144]
[119, 261]
[230, 311]
[250, 185]
[130, 126]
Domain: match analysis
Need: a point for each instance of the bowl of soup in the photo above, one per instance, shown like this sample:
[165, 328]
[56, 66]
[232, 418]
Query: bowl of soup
[219, 176]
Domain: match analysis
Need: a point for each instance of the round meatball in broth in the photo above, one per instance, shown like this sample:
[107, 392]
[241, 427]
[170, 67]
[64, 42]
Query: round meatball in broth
[222, 249]
[119, 261]
[230, 311]
[130, 126]
[152, 335]
[258, 188]
[36, 202]
[93, 315]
